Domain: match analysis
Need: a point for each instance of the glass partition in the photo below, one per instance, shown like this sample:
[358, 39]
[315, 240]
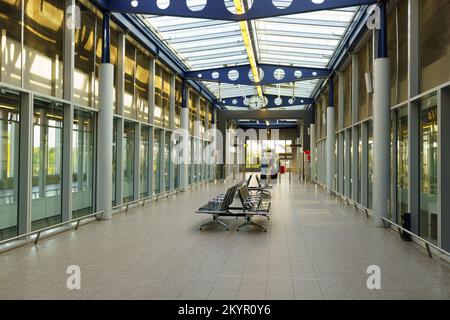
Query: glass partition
[167, 161]
[114, 164]
[144, 162]
[141, 84]
[428, 169]
[47, 164]
[85, 47]
[9, 163]
[82, 163]
[128, 161]
[370, 165]
[402, 163]
[10, 39]
[156, 161]
[158, 113]
[43, 46]
[129, 103]
[166, 99]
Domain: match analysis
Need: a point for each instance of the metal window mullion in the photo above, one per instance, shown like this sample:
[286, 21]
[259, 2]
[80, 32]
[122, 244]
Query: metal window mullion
[25, 163]
[67, 163]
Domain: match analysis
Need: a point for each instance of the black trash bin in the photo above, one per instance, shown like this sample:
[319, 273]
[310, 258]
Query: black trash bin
[406, 224]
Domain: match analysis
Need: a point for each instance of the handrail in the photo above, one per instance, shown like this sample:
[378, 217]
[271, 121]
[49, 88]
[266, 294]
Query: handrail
[97, 215]
[386, 222]
[38, 232]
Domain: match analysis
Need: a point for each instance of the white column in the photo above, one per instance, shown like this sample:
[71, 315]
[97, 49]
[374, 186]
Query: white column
[105, 140]
[331, 140]
[381, 129]
[312, 135]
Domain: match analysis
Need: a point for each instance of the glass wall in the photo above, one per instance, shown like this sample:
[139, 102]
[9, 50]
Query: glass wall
[434, 44]
[166, 98]
[10, 39]
[158, 113]
[167, 161]
[43, 46]
[402, 162]
[114, 164]
[128, 161]
[85, 48]
[144, 162]
[47, 164]
[141, 84]
[83, 163]
[370, 165]
[129, 109]
[9, 163]
[178, 102]
[428, 151]
[156, 161]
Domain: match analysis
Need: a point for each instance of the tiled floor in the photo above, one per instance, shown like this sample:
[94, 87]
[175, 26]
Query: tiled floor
[316, 248]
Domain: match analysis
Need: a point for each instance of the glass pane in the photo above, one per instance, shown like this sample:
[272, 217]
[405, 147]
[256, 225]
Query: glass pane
[9, 163]
[114, 165]
[128, 162]
[10, 38]
[370, 165]
[428, 169]
[158, 113]
[167, 161]
[141, 85]
[47, 164]
[166, 98]
[83, 163]
[402, 162]
[156, 161]
[144, 162]
[128, 99]
[43, 46]
[85, 58]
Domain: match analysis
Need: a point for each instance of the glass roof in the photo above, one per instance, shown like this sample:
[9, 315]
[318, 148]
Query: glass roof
[306, 40]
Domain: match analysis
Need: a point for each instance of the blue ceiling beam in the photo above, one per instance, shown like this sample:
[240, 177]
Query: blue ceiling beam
[216, 9]
[271, 74]
[271, 101]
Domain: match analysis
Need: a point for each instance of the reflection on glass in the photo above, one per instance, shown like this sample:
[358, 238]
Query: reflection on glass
[167, 161]
[370, 165]
[9, 163]
[402, 162]
[43, 46]
[82, 163]
[359, 162]
[144, 162]
[428, 169]
[128, 162]
[156, 161]
[141, 85]
[85, 58]
[47, 164]
[114, 164]
[129, 109]
[10, 39]
[158, 113]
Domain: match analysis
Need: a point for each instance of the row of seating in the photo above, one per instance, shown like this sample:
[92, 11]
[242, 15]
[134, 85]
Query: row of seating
[254, 201]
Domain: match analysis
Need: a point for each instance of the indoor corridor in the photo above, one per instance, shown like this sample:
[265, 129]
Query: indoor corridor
[315, 248]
